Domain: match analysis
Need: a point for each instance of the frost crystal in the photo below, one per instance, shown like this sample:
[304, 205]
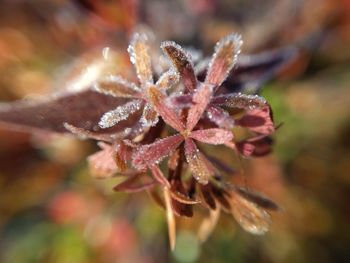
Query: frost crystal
[121, 113]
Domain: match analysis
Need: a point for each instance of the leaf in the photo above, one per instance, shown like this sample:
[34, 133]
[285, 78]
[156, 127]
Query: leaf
[150, 154]
[256, 146]
[117, 87]
[258, 199]
[158, 101]
[241, 101]
[212, 136]
[134, 184]
[253, 71]
[81, 109]
[220, 117]
[121, 113]
[182, 62]
[196, 162]
[183, 198]
[139, 56]
[102, 164]
[180, 101]
[168, 79]
[252, 219]
[258, 120]
[201, 100]
[207, 196]
[159, 176]
[223, 60]
[149, 116]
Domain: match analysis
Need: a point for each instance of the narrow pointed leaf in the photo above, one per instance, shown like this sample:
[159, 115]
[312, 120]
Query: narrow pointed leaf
[150, 154]
[223, 60]
[168, 79]
[251, 218]
[201, 100]
[207, 196]
[117, 87]
[133, 184]
[180, 101]
[256, 146]
[212, 136]
[85, 134]
[159, 176]
[257, 198]
[196, 162]
[220, 117]
[258, 120]
[241, 101]
[183, 198]
[182, 62]
[158, 101]
[149, 116]
[111, 118]
[140, 57]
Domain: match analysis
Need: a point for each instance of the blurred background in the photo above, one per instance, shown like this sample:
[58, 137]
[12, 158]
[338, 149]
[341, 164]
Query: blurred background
[51, 210]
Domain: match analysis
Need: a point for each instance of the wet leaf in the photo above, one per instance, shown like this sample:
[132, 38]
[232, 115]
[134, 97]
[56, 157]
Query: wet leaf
[212, 136]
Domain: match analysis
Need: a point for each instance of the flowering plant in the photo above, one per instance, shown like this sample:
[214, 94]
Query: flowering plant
[156, 132]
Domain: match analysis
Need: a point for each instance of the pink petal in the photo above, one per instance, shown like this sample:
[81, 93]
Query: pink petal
[116, 87]
[223, 60]
[201, 100]
[150, 154]
[258, 120]
[220, 117]
[183, 63]
[158, 100]
[212, 136]
[241, 101]
[139, 56]
[196, 162]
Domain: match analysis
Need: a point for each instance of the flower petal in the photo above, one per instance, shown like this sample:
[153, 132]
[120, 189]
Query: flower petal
[116, 87]
[168, 79]
[196, 162]
[253, 219]
[158, 100]
[150, 154]
[223, 60]
[135, 183]
[120, 113]
[212, 136]
[149, 116]
[241, 101]
[183, 63]
[139, 56]
[258, 120]
[220, 117]
[201, 100]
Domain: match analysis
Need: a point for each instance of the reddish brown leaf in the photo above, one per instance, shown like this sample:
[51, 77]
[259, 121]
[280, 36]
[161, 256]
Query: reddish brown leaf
[223, 60]
[81, 109]
[183, 63]
[150, 154]
[134, 184]
[212, 136]
[258, 120]
[201, 100]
